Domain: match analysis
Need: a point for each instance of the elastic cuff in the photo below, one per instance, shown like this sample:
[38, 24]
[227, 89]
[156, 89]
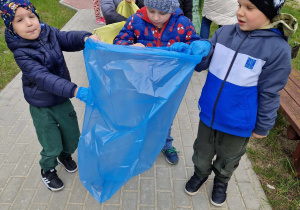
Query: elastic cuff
[261, 132]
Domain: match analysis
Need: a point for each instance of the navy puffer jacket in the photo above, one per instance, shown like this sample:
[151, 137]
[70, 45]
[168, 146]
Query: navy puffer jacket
[46, 78]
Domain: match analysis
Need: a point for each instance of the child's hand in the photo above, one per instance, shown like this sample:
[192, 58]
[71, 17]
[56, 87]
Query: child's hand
[257, 136]
[181, 47]
[138, 45]
[94, 36]
[129, 1]
[200, 48]
[81, 93]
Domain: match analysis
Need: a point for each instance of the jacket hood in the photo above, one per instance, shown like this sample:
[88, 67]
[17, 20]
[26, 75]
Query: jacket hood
[13, 43]
[286, 23]
[143, 13]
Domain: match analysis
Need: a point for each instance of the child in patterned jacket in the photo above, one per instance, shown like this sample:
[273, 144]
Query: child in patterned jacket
[160, 23]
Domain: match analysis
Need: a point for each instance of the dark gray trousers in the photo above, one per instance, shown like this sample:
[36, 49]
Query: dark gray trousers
[228, 150]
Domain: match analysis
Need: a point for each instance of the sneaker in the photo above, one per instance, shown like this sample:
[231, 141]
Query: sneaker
[171, 155]
[194, 184]
[69, 164]
[100, 21]
[51, 180]
[218, 197]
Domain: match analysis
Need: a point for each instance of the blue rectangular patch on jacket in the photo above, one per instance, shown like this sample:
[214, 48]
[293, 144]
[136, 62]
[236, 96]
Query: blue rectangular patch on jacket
[250, 63]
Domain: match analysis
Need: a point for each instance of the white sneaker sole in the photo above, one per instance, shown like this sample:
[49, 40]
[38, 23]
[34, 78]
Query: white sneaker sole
[217, 204]
[65, 166]
[193, 193]
[171, 162]
[50, 188]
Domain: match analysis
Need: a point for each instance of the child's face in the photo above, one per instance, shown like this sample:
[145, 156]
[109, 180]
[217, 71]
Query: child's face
[249, 17]
[157, 17]
[26, 24]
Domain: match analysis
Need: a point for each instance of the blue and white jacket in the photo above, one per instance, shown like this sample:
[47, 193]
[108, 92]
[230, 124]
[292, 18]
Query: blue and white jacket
[246, 72]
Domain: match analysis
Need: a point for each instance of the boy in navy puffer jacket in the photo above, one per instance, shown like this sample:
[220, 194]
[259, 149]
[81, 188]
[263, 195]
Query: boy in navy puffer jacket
[249, 63]
[159, 23]
[47, 85]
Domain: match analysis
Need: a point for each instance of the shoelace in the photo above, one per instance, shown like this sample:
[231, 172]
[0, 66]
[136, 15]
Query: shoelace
[172, 150]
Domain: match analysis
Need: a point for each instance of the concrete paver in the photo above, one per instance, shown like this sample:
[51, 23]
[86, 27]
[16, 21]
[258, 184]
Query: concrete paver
[161, 187]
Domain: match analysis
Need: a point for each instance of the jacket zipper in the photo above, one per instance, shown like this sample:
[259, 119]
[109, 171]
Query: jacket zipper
[50, 52]
[159, 34]
[223, 83]
[55, 63]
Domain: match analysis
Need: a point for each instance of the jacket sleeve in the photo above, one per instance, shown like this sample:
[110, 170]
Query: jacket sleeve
[205, 62]
[187, 8]
[39, 74]
[109, 12]
[272, 79]
[71, 41]
[126, 35]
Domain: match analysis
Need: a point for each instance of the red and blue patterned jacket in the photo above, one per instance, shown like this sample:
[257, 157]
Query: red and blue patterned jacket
[139, 29]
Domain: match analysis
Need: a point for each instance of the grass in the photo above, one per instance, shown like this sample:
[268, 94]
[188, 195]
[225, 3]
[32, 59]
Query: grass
[271, 157]
[50, 12]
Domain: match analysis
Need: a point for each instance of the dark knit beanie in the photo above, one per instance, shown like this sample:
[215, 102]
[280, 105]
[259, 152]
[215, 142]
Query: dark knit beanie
[270, 8]
[8, 10]
[167, 6]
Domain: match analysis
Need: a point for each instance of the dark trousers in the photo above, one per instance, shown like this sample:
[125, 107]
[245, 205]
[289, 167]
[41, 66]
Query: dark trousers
[57, 131]
[228, 150]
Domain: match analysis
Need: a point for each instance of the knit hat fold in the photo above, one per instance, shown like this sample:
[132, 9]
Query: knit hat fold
[270, 8]
[8, 10]
[167, 6]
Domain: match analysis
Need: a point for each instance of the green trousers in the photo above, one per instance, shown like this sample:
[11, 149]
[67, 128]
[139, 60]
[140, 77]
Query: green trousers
[57, 131]
[228, 150]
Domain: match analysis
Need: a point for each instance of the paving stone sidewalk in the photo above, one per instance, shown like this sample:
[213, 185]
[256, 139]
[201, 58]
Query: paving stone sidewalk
[161, 187]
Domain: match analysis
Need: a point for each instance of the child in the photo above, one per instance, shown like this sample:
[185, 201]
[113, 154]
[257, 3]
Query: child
[47, 85]
[109, 10]
[249, 63]
[159, 23]
[97, 10]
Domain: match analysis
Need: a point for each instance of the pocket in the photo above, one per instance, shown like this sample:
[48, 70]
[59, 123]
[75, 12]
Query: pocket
[230, 164]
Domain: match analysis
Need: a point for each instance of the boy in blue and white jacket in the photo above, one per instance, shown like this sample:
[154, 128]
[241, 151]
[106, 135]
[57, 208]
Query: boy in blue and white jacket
[249, 63]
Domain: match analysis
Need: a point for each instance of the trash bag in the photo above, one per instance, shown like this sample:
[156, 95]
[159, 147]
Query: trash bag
[134, 94]
[109, 32]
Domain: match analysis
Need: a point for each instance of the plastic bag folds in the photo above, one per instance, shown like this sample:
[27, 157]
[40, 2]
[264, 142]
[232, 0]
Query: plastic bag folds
[134, 96]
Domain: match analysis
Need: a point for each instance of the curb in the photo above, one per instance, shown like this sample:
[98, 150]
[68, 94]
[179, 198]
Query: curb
[67, 5]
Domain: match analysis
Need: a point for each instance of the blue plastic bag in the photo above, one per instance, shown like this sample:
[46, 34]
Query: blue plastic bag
[134, 96]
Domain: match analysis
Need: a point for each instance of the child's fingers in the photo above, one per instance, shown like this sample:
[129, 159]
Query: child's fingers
[94, 36]
[257, 136]
[138, 45]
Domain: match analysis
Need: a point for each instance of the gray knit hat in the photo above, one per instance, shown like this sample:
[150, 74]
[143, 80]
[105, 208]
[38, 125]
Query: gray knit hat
[167, 6]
